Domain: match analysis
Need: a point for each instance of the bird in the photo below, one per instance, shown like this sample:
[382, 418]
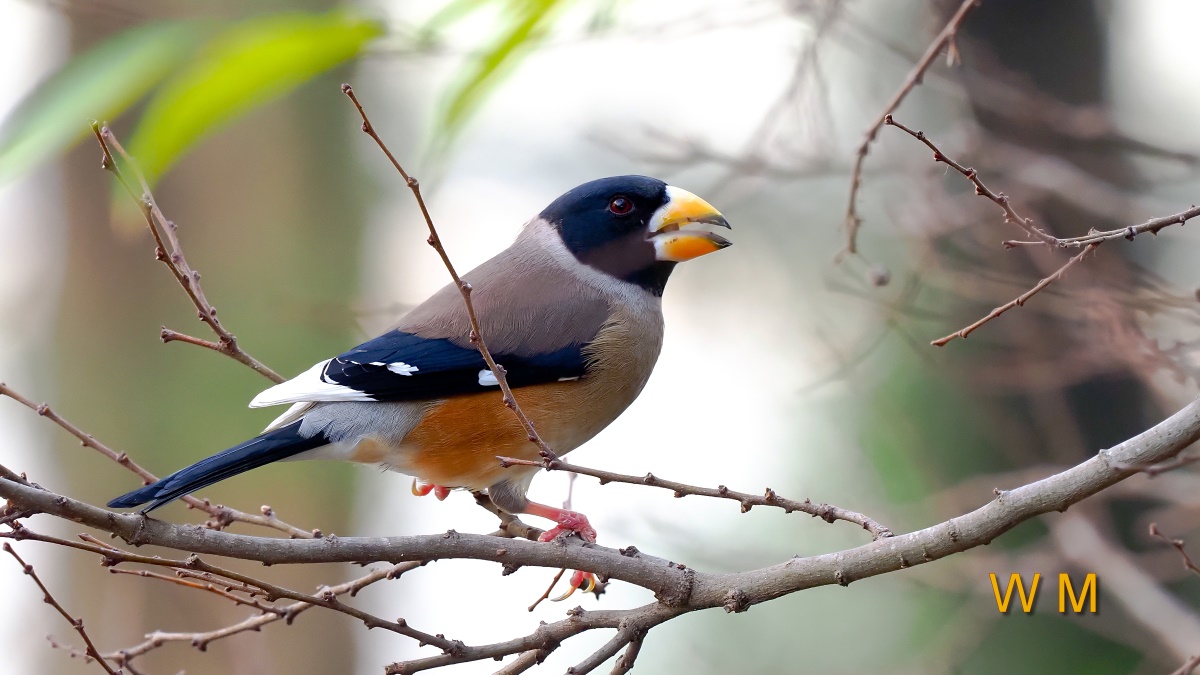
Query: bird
[572, 311]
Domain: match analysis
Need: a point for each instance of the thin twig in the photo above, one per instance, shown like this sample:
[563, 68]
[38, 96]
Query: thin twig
[206, 586]
[826, 512]
[329, 600]
[170, 252]
[1042, 238]
[1188, 563]
[464, 287]
[222, 515]
[944, 40]
[77, 624]
[553, 583]
[1018, 301]
[111, 556]
[1188, 666]
[1152, 226]
[1000, 199]
[287, 613]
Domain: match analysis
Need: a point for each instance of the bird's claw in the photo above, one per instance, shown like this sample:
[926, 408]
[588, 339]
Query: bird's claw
[579, 580]
[420, 489]
[571, 521]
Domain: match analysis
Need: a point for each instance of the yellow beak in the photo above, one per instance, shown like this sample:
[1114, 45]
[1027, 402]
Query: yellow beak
[682, 209]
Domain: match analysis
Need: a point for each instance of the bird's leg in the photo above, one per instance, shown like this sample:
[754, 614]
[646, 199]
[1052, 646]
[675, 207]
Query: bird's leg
[567, 521]
[421, 489]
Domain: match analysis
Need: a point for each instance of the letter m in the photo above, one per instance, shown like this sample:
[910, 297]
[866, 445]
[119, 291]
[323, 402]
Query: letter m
[1089, 592]
[1015, 580]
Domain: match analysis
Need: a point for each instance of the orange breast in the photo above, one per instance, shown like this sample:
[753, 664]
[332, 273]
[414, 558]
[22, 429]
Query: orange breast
[456, 444]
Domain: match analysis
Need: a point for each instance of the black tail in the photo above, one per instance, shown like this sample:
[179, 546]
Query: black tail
[272, 446]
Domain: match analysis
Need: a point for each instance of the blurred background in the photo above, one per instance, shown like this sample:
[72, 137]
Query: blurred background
[820, 374]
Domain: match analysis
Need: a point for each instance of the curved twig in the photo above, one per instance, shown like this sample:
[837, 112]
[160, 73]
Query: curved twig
[464, 288]
[826, 512]
[168, 250]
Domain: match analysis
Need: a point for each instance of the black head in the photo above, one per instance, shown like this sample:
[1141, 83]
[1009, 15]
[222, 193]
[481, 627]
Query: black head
[628, 227]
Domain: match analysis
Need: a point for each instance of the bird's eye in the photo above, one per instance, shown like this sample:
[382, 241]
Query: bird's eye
[620, 205]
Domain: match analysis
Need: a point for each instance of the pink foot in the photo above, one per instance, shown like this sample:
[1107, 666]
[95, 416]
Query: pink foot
[567, 521]
[421, 489]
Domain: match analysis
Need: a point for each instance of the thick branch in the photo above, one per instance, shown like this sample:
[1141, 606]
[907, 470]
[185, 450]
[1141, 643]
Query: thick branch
[678, 588]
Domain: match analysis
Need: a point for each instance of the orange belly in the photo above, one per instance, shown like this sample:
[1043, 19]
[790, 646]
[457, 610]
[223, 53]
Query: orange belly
[456, 443]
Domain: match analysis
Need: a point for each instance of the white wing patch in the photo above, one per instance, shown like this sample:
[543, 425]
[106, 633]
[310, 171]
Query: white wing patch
[308, 386]
[399, 367]
[402, 368]
[487, 378]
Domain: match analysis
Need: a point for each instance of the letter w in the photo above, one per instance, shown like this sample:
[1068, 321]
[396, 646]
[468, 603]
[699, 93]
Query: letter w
[1015, 580]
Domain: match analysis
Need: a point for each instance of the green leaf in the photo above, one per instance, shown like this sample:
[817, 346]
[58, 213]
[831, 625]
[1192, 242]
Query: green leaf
[99, 84]
[530, 21]
[247, 65]
[451, 13]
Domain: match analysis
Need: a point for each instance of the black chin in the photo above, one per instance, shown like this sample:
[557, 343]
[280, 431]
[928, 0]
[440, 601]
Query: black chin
[630, 258]
[652, 278]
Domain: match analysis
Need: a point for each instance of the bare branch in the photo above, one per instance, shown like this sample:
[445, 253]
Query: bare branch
[522, 663]
[627, 633]
[327, 598]
[286, 613]
[1001, 199]
[1188, 666]
[1169, 465]
[1173, 625]
[222, 515]
[624, 664]
[1018, 301]
[944, 40]
[1152, 226]
[476, 337]
[826, 512]
[205, 586]
[679, 589]
[1178, 544]
[1043, 238]
[170, 252]
[77, 624]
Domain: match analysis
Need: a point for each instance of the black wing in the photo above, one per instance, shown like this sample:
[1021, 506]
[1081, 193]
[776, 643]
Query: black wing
[401, 366]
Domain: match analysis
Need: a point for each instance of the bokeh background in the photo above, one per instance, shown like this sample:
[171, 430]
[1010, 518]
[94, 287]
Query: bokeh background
[781, 367]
